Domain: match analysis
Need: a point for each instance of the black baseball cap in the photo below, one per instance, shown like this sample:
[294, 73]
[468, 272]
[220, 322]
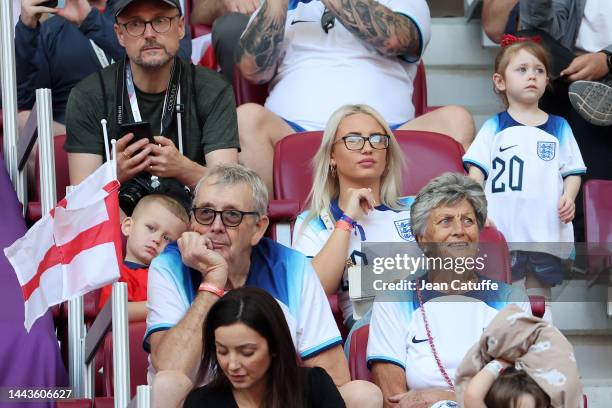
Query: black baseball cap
[122, 4]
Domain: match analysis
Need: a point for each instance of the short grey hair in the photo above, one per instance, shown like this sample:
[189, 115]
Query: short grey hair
[233, 174]
[447, 189]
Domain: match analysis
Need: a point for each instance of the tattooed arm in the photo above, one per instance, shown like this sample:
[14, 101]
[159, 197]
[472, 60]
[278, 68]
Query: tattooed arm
[392, 34]
[259, 48]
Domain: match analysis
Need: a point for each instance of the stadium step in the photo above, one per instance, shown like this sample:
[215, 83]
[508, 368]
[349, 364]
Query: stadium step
[459, 68]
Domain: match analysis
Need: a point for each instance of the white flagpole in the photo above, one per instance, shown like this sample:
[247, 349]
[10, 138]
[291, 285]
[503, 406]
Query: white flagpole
[114, 157]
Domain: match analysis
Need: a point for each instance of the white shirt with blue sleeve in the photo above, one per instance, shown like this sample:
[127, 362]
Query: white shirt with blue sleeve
[284, 273]
[524, 168]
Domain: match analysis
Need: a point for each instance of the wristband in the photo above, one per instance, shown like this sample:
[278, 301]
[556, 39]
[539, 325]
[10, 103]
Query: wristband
[347, 219]
[495, 368]
[343, 225]
[207, 287]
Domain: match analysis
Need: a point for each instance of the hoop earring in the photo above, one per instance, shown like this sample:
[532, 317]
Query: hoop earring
[332, 170]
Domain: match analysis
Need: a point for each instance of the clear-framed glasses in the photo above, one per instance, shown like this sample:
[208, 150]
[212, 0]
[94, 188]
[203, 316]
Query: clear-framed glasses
[356, 142]
[229, 218]
[137, 27]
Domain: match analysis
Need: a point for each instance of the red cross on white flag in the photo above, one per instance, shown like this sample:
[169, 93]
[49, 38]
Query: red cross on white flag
[72, 250]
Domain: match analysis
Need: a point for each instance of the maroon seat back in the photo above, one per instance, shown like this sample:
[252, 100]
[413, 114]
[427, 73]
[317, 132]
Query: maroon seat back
[428, 155]
[104, 402]
[419, 92]
[138, 359]
[358, 348]
[248, 92]
[497, 256]
[598, 224]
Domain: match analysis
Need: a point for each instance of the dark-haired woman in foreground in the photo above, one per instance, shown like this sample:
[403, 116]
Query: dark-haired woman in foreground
[251, 360]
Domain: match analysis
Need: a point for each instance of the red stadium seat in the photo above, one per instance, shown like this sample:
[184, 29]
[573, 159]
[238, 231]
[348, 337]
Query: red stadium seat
[138, 359]
[428, 155]
[247, 92]
[358, 354]
[198, 30]
[419, 94]
[104, 402]
[495, 248]
[598, 225]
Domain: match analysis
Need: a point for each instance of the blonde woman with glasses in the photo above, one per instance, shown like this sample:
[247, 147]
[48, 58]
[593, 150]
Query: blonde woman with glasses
[355, 198]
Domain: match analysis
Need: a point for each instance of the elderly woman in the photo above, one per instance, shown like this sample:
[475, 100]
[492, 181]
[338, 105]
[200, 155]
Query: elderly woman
[354, 198]
[417, 342]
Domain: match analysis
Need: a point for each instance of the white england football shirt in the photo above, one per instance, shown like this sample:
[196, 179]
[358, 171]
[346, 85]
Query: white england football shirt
[381, 225]
[398, 335]
[282, 272]
[524, 168]
[322, 71]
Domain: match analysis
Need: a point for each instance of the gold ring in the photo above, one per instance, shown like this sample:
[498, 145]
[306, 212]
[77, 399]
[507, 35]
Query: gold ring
[125, 155]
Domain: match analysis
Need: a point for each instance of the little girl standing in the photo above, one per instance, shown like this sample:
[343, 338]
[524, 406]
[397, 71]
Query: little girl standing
[532, 167]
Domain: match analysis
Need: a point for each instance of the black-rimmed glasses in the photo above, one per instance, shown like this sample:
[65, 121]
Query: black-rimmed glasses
[356, 142]
[229, 218]
[137, 27]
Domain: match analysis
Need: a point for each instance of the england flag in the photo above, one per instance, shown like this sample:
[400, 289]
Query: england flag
[72, 250]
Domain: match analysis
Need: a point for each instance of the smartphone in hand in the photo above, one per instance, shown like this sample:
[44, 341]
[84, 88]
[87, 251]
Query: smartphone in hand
[141, 130]
[53, 3]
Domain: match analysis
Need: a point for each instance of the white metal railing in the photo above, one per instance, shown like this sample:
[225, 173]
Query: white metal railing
[9, 98]
[121, 346]
[46, 151]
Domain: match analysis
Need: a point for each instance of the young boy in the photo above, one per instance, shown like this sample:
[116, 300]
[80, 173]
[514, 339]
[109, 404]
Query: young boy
[156, 221]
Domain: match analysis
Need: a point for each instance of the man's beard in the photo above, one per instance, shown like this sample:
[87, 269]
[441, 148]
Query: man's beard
[155, 62]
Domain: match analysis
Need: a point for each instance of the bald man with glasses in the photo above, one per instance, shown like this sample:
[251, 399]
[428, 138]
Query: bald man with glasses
[225, 249]
[190, 110]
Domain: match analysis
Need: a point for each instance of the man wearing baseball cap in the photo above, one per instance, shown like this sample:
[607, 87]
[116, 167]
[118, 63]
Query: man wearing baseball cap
[190, 110]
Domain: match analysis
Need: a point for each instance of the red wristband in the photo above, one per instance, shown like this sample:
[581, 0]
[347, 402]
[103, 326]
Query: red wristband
[343, 225]
[207, 287]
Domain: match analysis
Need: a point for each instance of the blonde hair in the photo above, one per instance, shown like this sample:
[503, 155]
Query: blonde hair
[325, 187]
[165, 201]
